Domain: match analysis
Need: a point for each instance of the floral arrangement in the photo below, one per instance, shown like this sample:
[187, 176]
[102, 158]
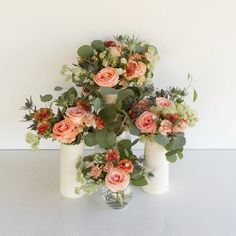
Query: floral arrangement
[73, 117]
[115, 168]
[163, 118]
[116, 64]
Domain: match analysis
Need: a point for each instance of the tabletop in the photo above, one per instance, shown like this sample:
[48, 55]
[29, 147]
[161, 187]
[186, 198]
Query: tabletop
[201, 200]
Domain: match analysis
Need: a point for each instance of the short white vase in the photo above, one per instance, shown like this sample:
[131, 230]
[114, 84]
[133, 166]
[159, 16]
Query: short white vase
[156, 163]
[69, 156]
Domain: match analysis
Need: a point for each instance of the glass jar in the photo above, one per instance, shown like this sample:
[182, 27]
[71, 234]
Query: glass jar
[117, 200]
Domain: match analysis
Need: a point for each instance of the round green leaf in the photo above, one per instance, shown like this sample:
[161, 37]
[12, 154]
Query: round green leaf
[104, 138]
[134, 130]
[89, 139]
[108, 113]
[98, 45]
[85, 52]
[46, 98]
[171, 159]
[161, 139]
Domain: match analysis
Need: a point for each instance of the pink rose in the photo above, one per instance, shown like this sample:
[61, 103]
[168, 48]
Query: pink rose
[112, 155]
[108, 166]
[107, 77]
[164, 102]
[165, 127]
[177, 129]
[117, 180]
[65, 131]
[89, 119]
[183, 124]
[126, 166]
[135, 70]
[146, 122]
[75, 114]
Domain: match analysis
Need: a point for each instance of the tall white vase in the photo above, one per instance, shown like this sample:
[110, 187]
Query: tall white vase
[156, 163]
[69, 156]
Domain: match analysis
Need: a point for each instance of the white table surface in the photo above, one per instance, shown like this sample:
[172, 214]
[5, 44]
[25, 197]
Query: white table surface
[201, 200]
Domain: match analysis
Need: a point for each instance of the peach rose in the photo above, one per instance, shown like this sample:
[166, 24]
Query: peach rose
[88, 119]
[107, 77]
[183, 124]
[173, 117]
[177, 129]
[99, 123]
[108, 166]
[165, 127]
[134, 70]
[117, 180]
[146, 122]
[112, 155]
[75, 114]
[95, 171]
[126, 166]
[164, 102]
[65, 131]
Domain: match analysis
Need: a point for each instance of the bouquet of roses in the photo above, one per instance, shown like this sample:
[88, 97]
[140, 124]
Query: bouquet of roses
[113, 64]
[115, 168]
[68, 124]
[163, 118]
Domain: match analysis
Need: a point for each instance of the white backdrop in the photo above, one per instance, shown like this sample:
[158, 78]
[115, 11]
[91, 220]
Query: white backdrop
[38, 37]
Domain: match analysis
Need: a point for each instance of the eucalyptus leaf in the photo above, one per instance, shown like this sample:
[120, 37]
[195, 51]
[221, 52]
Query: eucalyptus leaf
[139, 182]
[97, 103]
[58, 88]
[104, 138]
[98, 45]
[46, 98]
[85, 52]
[108, 113]
[172, 158]
[161, 139]
[195, 95]
[134, 130]
[89, 139]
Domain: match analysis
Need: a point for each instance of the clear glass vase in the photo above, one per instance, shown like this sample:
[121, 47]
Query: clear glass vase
[117, 200]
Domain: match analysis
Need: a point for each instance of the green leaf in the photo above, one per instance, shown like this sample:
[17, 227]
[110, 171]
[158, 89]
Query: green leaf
[134, 130]
[161, 139]
[85, 51]
[98, 45]
[108, 113]
[97, 103]
[46, 98]
[114, 126]
[89, 139]
[124, 93]
[125, 144]
[171, 153]
[178, 142]
[78, 164]
[195, 95]
[139, 181]
[171, 159]
[180, 155]
[135, 141]
[73, 91]
[89, 158]
[105, 139]
[58, 88]
[106, 90]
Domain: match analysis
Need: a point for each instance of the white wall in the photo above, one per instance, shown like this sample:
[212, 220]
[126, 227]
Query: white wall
[38, 37]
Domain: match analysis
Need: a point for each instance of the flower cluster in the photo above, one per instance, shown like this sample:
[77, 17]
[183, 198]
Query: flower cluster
[67, 125]
[115, 168]
[114, 64]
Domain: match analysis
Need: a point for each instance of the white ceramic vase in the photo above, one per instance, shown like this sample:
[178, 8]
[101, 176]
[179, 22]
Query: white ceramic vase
[69, 156]
[156, 163]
